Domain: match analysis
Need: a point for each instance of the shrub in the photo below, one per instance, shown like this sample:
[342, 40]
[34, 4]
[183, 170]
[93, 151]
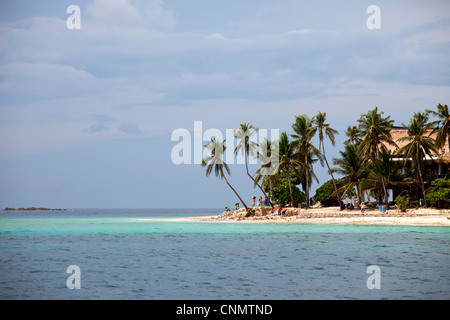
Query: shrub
[281, 191]
[297, 194]
[402, 202]
[440, 192]
[324, 194]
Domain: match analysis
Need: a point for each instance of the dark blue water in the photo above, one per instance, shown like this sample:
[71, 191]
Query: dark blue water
[150, 254]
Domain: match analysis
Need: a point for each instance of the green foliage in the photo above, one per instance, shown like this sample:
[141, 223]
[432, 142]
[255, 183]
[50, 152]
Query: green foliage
[281, 189]
[325, 194]
[440, 192]
[368, 162]
[402, 202]
[285, 195]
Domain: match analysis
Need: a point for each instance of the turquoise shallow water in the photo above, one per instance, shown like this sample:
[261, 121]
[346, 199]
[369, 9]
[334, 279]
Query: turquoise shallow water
[148, 254]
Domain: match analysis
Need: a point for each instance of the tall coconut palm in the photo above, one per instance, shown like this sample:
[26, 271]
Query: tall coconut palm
[265, 155]
[375, 133]
[325, 130]
[385, 167]
[249, 148]
[442, 126]
[288, 161]
[353, 168]
[418, 146]
[305, 150]
[215, 163]
[353, 135]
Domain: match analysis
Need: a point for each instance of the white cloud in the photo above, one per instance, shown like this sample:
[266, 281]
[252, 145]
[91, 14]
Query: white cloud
[114, 12]
[130, 63]
[130, 128]
[131, 13]
[301, 31]
[43, 79]
[218, 36]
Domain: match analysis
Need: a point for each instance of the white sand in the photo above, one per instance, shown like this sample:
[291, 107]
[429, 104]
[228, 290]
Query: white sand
[419, 217]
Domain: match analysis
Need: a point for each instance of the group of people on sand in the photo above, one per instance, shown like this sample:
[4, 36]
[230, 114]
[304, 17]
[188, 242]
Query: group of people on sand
[261, 202]
[265, 202]
[349, 206]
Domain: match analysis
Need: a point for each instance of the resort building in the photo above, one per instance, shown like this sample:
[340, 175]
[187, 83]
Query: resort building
[436, 165]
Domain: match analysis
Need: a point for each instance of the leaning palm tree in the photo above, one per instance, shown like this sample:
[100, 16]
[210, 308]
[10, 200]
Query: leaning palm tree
[325, 129]
[215, 163]
[418, 146]
[248, 147]
[375, 133]
[442, 126]
[305, 150]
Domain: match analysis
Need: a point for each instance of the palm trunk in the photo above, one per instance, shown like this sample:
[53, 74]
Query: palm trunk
[256, 183]
[271, 188]
[363, 196]
[358, 189]
[386, 195]
[307, 181]
[236, 193]
[290, 187]
[422, 184]
[331, 173]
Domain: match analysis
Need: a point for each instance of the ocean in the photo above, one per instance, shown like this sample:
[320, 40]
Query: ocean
[147, 254]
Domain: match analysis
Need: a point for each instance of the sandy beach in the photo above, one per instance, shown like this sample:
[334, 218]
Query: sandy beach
[333, 215]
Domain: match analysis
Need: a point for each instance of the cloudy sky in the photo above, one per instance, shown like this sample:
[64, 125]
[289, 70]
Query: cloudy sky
[86, 116]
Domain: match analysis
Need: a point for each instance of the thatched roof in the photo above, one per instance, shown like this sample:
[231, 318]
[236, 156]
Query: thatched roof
[444, 158]
[398, 132]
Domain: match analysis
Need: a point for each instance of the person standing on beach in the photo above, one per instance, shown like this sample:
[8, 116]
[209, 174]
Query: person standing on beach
[254, 199]
[266, 201]
[260, 201]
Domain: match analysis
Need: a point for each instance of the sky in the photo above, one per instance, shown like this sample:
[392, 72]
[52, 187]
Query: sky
[87, 115]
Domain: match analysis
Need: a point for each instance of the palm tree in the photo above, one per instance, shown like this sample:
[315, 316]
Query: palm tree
[442, 125]
[215, 162]
[325, 129]
[353, 135]
[287, 160]
[305, 150]
[353, 167]
[385, 167]
[375, 132]
[265, 154]
[419, 145]
[248, 147]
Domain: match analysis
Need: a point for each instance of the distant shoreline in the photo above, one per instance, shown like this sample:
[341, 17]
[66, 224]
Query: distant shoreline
[33, 209]
[333, 215]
